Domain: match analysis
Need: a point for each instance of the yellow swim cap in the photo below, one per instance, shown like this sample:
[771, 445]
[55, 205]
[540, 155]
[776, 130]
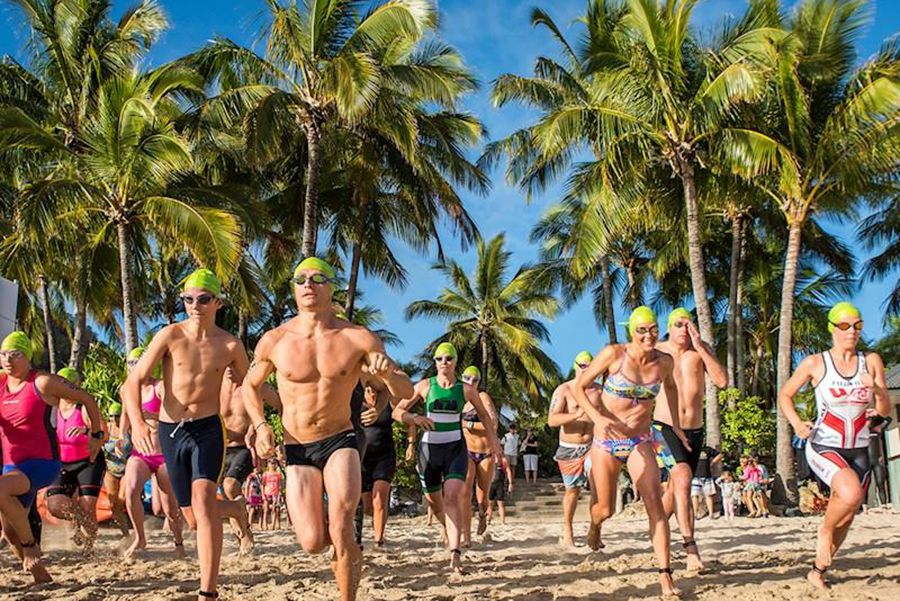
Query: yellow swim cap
[69, 374]
[582, 357]
[317, 264]
[641, 315]
[136, 353]
[472, 371]
[840, 311]
[18, 341]
[678, 313]
[205, 280]
[445, 349]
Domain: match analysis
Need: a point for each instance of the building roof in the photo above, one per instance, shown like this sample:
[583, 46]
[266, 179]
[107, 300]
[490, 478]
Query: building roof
[893, 377]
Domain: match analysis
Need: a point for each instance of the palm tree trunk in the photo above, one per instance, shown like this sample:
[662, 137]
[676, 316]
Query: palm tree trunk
[784, 456]
[757, 363]
[736, 229]
[48, 322]
[698, 283]
[311, 201]
[606, 282]
[242, 326]
[484, 361]
[127, 287]
[79, 335]
[739, 322]
[354, 277]
[634, 299]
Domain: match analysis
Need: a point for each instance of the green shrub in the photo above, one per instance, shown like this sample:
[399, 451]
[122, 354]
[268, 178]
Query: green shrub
[747, 427]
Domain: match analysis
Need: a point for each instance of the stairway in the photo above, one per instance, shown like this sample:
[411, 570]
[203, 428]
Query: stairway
[542, 502]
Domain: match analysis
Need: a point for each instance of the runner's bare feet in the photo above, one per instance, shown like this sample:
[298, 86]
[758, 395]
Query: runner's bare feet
[179, 551]
[456, 566]
[593, 538]
[135, 548]
[40, 574]
[31, 556]
[694, 563]
[444, 539]
[566, 541]
[482, 523]
[667, 583]
[816, 577]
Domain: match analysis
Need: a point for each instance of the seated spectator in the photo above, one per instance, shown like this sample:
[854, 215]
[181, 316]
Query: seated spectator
[703, 486]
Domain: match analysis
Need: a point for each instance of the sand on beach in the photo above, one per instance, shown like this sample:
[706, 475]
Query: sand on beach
[748, 560]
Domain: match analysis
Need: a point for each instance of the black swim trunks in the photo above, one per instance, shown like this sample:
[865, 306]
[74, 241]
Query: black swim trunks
[681, 454]
[84, 476]
[193, 450]
[238, 463]
[378, 464]
[316, 454]
[438, 462]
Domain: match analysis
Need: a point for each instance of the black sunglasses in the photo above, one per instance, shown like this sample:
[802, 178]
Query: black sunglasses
[203, 299]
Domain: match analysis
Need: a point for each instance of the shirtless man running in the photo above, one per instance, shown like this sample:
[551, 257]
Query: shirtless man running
[240, 436]
[693, 360]
[318, 360]
[576, 432]
[194, 355]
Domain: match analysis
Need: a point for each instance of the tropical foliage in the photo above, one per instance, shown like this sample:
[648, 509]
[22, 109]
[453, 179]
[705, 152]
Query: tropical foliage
[700, 167]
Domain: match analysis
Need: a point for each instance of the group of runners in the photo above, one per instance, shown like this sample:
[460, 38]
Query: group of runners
[194, 419]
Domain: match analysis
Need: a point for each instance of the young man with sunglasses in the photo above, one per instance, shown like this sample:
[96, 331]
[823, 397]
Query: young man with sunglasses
[694, 360]
[573, 455]
[846, 381]
[318, 360]
[194, 354]
[443, 458]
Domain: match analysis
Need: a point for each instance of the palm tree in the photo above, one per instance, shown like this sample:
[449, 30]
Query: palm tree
[132, 173]
[833, 142]
[883, 228]
[324, 66]
[493, 319]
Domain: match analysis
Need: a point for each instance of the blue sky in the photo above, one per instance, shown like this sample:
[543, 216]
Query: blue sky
[495, 37]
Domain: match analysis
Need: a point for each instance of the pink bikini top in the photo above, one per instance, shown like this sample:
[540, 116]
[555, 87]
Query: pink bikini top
[154, 403]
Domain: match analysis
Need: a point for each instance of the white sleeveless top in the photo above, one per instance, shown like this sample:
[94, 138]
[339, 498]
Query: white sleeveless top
[841, 407]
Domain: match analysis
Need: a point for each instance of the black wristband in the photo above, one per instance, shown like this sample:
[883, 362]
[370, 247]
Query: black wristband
[98, 434]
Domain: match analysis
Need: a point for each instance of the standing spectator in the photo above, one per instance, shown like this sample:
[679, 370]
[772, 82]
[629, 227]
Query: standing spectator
[703, 486]
[877, 425]
[500, 487]
[511, 448]
[731, 494]
[530, 455]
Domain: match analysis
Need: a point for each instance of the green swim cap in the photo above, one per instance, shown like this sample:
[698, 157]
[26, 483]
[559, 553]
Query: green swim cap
[114, 409]
[317, 264]
[840, 311]
[204, 279]
[445, 349]
[472, 371]
[678, 313]
[69, 374]
[136, 353]
[641, 315]
[582, 357]
[18, 341]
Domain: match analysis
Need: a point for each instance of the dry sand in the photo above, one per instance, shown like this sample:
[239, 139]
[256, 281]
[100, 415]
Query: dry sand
[747, 560]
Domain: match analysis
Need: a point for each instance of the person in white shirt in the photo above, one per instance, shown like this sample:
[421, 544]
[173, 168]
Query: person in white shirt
[511, 448]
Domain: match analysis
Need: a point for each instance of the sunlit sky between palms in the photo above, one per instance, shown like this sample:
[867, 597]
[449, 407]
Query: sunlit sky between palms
[495, 37]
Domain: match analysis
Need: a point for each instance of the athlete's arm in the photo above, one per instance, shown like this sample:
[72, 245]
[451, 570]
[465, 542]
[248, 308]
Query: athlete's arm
[473, 397]
[251, 387]
[558, 416]
[239, 361]
[878, 383]
[711, 363]
[141, 374]
[271, 398]
[491, 409]
[53, 387]
[598, 366]
[800, 377]
[383, 367]
[403, 411]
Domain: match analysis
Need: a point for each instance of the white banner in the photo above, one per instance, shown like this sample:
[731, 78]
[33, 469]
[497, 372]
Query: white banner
[9, 300]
